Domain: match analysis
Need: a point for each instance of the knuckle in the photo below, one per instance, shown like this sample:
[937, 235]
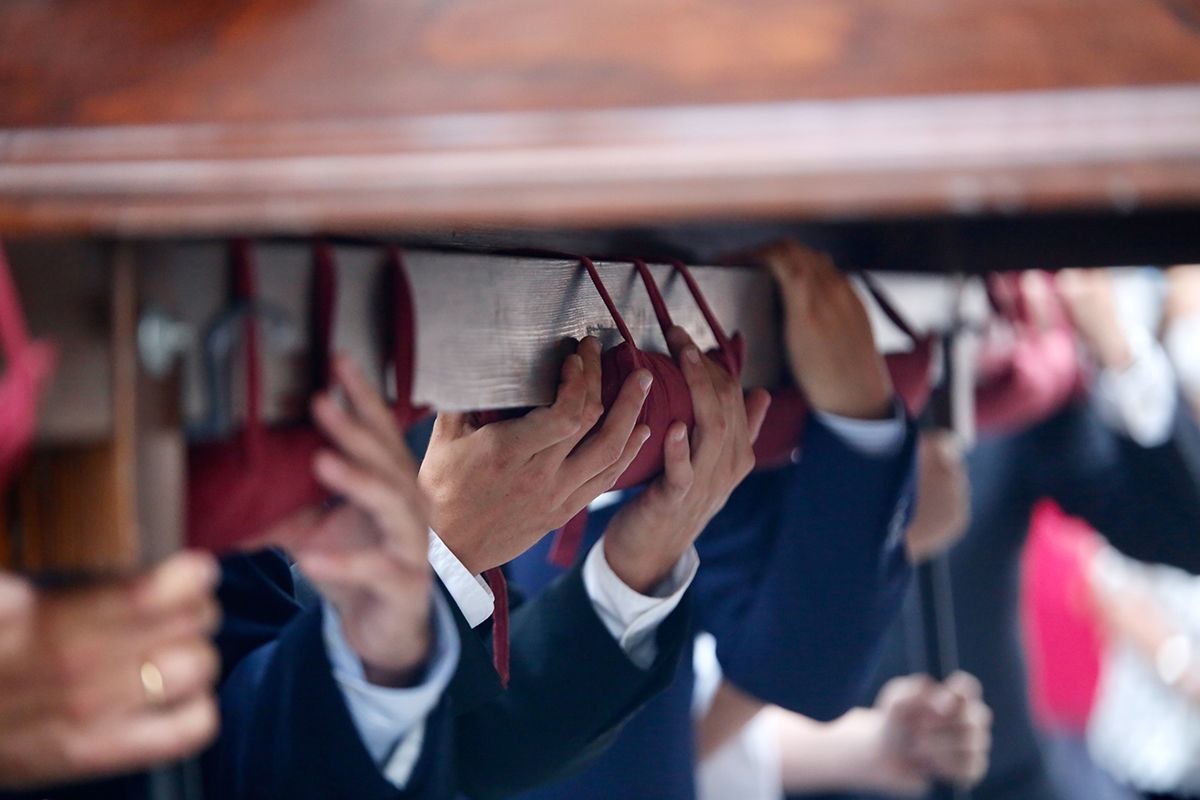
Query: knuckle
[592, 412]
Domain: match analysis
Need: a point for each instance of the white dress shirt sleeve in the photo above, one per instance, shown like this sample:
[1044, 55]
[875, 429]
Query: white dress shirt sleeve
[1182, 342]
[631, 617]
[1139, 401]
[391, 722]
[875, 438]
[471, 593]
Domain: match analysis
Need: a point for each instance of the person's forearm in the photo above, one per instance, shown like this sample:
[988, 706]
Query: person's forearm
[730, 711]
[818, 756]
[843, 755]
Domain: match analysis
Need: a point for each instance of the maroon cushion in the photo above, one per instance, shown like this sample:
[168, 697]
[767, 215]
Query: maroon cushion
[28, 366]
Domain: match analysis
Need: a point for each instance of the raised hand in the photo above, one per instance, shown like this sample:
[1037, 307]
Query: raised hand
[498, 489]
[830, 345]
[650, 533]
[369, 557]
[109, 677]
[1091, 301]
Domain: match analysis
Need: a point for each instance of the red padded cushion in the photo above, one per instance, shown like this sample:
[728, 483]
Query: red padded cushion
[1036, 371]
[28, 366]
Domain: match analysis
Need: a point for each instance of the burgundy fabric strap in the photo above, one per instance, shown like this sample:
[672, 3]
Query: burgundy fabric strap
[403, 333]
[246, 291]
[724, 345]
[27, 366]
[324, 300]
[887, 308]
[612, 308]
[499, 586]
[14, 336]
[565, 547]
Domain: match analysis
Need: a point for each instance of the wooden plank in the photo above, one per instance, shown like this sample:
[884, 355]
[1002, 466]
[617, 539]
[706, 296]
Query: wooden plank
[1012, 153]
[118, 62]
[489, 327]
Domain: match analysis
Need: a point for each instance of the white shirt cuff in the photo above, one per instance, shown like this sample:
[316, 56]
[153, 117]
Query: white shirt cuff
[471, 593]
[391, 722]
[876, 438]
[633, 618]
[1139, 401]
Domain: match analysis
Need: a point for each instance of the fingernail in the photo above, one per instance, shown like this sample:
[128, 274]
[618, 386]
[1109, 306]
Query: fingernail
[692, 355]
[678, 434]
[576, 362]
[644, 381]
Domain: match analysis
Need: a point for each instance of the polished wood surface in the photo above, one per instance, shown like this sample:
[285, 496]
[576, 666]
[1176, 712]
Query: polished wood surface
[130, 116]
[107, 62]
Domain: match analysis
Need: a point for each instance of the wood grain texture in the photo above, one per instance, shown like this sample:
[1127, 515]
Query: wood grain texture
[490, 328]
[138, 117]
[1019, 153]
[102, 62]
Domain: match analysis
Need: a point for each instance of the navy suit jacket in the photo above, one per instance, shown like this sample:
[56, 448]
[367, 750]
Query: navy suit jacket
[288, 734]
[286, 731]
[799, 577]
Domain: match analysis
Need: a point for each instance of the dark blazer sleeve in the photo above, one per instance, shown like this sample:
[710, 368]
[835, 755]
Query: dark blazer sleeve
[1145, 500]
[803, 571]
[571, 687]
[286, 731]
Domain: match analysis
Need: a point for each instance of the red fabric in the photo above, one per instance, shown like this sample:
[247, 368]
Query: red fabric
[28, 366]
[239, 488]
[1027, 377]
[1064, 641]
[403, 337]
[499, 586]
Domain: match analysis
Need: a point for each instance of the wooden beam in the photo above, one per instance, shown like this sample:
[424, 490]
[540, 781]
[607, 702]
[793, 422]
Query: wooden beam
[962, 156]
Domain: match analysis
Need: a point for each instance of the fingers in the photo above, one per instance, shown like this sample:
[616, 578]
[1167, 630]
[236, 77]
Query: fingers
[678, 475]
[385, 454]
[188, 669]
[398, 510]
[607, 478]
[176, 583]
[367, 404]
[362, 570]
[789, 261]
[549, 425]
[758, 402]
[589, 352]
[609, 444]
[450, 425]
[965, 685]
[154, 736]
[706, 405]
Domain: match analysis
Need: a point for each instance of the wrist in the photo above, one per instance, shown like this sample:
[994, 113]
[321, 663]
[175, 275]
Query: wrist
[883, 767]
[862, 403]
[400, 670]
[641, 569]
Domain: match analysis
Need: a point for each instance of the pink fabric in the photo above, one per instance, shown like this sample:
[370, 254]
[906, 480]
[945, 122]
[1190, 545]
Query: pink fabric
[1063, 640]
[28, 366]
[1027, 379]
